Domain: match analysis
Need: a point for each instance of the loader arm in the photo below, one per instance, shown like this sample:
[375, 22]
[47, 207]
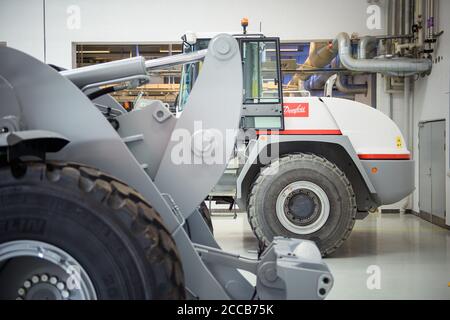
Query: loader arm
[42, 99]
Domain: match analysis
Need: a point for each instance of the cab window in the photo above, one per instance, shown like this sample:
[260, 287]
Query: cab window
[260, 72]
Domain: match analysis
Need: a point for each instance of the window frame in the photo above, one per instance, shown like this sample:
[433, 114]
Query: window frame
[278, 61]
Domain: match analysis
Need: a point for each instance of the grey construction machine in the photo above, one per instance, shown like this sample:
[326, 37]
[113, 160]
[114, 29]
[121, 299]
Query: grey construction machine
[93, 205]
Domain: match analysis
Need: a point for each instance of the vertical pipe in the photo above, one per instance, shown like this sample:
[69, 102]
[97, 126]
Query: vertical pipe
[82, 57]
[373, 91]
[429, 18]
[408, 15]
[409, 127]
[401, 19]
[391, 107]
[387, 43]
[436, 16]
[407, 101]
[432, 12]
[391, 27]
[407, 98]
[425, 19]
[44, 20]
[419, 16]
[389, 19]
[395, 18]
[407, 80]
[407, 83]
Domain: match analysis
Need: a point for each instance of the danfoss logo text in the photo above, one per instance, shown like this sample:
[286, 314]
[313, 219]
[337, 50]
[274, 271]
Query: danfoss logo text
[295, 110]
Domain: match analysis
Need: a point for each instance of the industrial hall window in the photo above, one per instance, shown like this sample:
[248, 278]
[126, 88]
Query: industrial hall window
[164, 84]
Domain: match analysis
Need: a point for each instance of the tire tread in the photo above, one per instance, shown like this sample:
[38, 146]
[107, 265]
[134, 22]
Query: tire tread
[311, 157]
[131, 209]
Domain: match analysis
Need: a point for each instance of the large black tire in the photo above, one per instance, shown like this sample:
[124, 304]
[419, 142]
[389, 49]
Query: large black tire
[289, 169]
[114, 234]
[206, 214]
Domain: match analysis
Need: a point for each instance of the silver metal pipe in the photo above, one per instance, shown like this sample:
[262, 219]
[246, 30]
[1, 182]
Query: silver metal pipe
[316, 81]
[176, 59]
[407, 80]
[419, 20]
[350, 89]
[365, 44]
[393, 67]
[388, 19]
[431, 18]
[407, 101]
[436, 16]
[407, 16]
[430, 22]
[409, 131]
[401, 18]
[394, 17]
[428, 16]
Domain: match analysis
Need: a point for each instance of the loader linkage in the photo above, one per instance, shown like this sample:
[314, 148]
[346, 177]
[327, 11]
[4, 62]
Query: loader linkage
[139, 155]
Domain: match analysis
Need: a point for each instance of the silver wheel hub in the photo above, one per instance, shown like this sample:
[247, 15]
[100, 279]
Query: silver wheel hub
[34, 270]
[302, 207]
[43, 287]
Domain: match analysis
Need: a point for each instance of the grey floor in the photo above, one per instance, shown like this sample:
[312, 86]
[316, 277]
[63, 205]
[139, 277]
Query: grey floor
[410, 255]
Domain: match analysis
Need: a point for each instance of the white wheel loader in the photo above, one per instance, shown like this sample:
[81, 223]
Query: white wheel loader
[307, 167]
[93, 204]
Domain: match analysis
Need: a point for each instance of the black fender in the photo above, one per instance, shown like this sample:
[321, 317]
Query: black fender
[34, 143]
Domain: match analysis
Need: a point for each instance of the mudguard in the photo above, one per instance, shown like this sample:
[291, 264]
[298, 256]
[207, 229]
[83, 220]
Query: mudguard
[31, 143]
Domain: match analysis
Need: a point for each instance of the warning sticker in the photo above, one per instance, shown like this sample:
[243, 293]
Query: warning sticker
[399, 142]
[296, 110]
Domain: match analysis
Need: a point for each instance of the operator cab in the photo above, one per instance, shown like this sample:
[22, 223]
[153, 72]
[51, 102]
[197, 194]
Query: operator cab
[262, 92]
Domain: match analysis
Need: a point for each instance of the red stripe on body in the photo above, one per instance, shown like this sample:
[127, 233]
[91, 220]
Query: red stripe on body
[384, 156]
[300, 132]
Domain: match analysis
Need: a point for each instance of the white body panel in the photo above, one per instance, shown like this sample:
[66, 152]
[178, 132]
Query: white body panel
[372, 134]
[303, 114]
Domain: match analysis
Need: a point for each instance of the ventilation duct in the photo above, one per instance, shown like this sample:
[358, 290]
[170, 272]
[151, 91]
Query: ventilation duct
[400, 67]
[320, 55]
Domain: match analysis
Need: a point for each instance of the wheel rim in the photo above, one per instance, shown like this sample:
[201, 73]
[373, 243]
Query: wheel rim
[32, 270]
[303, 207]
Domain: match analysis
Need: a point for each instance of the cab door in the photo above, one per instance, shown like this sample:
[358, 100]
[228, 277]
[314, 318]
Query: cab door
[262, 92]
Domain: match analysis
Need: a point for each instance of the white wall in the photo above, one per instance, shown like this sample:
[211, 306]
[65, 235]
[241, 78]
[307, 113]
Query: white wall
[22, 27]
[166, 20]
[431, 98]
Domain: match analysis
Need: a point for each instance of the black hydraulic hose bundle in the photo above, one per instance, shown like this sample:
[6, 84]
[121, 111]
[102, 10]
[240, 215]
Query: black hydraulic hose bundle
[101, 92]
